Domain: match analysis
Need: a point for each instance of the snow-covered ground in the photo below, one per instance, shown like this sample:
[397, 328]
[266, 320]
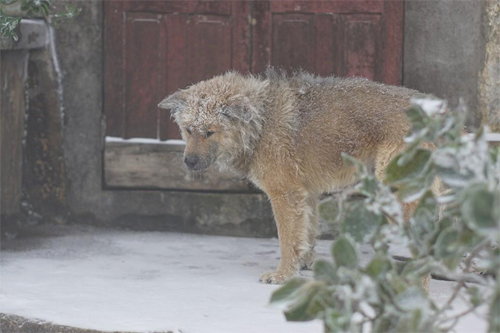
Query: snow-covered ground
[150, 281]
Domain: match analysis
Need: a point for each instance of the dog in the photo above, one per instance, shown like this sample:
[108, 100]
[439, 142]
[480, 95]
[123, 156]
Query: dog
[285, 134]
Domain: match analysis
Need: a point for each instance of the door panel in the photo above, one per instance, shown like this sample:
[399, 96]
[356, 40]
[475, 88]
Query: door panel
[175, 68]
[153, 48]
[329, 44]
[143, 82]
[344, 38]
[211, 49]
[361, 34]
[293, 46]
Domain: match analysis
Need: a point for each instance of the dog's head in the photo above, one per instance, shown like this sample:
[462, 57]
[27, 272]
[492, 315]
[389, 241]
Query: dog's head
[217, 118]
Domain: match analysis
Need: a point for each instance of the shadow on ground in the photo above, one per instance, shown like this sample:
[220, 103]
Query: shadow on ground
[17, 324]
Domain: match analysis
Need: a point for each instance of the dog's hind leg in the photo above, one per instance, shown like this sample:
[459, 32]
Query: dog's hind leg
[384, 156]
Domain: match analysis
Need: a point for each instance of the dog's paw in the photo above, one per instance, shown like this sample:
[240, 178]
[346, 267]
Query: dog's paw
[275, 277]
[307, 260]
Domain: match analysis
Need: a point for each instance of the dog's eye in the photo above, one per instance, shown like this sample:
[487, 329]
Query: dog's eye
[188, 130]
[209, 134]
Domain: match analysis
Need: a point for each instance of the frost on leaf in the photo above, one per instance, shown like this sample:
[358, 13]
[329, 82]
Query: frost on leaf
[430, 105]
[458, 166]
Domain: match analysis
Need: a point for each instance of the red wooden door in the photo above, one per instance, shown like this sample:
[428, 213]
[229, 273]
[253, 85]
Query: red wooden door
[156, 47]
[153, 48]
[345, 38]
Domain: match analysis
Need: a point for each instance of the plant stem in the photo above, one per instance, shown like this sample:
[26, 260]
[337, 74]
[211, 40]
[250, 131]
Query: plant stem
[468, 263]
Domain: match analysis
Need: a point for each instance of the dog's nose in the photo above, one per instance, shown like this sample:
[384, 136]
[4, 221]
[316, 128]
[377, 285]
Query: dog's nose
[191, 161]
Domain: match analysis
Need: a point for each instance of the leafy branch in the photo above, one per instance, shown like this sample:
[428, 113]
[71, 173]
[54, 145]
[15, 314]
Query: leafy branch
[386, 295]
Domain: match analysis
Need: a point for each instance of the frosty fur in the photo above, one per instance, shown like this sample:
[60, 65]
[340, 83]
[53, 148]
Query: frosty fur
[286, 135]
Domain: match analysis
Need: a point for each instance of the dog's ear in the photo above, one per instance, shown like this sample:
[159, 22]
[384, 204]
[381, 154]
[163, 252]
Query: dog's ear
[241, 110]
[175, 103]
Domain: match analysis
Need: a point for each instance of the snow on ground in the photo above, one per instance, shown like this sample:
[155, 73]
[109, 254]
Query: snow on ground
[145, 141]
[150, 281]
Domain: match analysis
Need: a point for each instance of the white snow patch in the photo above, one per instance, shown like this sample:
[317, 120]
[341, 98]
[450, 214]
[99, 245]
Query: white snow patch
[145, 141]
[493, 137]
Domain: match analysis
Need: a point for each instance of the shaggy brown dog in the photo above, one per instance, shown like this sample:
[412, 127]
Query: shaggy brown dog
[286, 134]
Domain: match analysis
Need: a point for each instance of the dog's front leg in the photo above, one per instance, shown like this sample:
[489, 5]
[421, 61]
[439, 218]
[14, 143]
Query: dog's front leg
[291, 214]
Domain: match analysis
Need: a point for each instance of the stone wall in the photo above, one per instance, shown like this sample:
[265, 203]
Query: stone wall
[14, 63]
[444, 50]
[489, 78]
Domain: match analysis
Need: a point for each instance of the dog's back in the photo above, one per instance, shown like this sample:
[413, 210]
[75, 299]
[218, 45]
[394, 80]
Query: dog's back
[311, 120]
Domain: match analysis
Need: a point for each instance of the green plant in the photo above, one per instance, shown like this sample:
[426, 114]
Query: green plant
[47, 8]
[463, 222]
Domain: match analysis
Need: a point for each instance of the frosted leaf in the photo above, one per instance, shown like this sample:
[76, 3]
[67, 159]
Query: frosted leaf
[391, 233]
[415, 196]
[446, 199]
[415, 136]
[445, 158]
[459, 165]
[385, 202]
[412, 299]
[449, 122]
[367, 309]
[430, 106]
[357, 318]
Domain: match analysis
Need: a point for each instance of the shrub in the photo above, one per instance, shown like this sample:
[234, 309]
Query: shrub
[29, 8]
[463, 222]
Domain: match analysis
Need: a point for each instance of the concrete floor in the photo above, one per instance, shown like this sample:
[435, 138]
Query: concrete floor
[85, 279]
